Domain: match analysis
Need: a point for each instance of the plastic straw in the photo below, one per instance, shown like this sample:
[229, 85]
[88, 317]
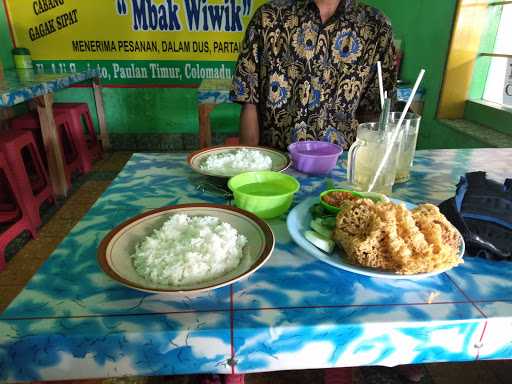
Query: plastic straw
[381, 84]
[384, 116]
[396, 131]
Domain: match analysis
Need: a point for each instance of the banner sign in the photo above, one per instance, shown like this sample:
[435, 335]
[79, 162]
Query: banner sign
[134, 41]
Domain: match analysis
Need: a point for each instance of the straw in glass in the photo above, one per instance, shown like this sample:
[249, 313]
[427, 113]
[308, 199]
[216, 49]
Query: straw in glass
[396, 131]
[384, 116]
[381, 84]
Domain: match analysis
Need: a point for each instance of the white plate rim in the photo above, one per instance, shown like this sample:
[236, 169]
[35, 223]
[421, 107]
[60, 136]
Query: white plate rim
[192, 156]
[265, 254]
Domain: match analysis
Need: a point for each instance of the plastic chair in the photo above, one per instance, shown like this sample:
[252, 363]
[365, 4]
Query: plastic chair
[69, 146]
[27, 169]
[89, 147]
[16, 215]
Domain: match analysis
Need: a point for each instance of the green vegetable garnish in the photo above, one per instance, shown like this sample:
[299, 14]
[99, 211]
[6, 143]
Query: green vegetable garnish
[318, 211]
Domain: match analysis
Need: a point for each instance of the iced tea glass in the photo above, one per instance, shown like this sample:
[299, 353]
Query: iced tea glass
[410, 129]
[366, 154]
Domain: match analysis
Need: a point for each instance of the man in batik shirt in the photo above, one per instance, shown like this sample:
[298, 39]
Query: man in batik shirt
[308, 71]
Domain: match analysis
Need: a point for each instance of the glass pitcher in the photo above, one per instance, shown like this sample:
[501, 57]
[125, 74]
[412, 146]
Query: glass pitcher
[365, 155]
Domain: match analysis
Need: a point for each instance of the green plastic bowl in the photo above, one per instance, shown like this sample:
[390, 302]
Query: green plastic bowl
[374, 196]
[267, 194]
[332, 208]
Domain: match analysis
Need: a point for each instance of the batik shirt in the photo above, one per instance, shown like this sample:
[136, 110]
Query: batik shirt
[309, 80]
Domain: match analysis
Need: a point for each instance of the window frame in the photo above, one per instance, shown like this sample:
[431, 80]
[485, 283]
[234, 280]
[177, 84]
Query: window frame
[473, 39]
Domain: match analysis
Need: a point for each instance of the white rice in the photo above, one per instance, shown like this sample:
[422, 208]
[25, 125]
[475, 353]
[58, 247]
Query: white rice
[241, 160]
[189, 250]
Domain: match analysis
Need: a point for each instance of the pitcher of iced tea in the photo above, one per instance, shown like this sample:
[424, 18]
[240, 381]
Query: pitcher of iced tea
[365, 155]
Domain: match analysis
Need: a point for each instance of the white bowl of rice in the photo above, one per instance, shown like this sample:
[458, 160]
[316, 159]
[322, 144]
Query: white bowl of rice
[227, 161]
[186, 249]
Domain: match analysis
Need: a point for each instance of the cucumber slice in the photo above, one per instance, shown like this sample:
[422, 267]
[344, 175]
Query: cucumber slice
[329, 222]
[319, 241]
[317, 226]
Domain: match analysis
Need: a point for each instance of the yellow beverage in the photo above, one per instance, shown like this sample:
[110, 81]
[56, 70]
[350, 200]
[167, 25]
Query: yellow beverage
[367, 162]
[365, 156]
[410, 129]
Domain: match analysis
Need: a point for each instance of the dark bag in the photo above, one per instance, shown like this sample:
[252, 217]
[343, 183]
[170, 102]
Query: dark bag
[482, 211]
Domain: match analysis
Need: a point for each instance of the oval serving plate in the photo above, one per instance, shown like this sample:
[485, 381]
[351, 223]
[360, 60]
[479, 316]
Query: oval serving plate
[114, 253]
[280, 161]
[298, 222]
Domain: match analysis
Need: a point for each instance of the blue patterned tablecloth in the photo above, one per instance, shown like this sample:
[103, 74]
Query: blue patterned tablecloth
[72, 321]
[20, 86]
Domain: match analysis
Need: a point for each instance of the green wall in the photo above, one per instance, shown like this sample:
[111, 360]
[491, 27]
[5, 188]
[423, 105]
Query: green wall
[5, 41]
[424, 26]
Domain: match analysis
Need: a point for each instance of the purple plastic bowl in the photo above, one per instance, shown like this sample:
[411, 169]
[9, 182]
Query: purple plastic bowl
[315, 157]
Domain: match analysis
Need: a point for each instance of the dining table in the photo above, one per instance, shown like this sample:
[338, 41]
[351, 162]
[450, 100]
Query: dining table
[72, 321]
[23, 86]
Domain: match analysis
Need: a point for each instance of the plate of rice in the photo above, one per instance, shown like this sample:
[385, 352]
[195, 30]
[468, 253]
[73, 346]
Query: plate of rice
[230, 160]
[186, 249]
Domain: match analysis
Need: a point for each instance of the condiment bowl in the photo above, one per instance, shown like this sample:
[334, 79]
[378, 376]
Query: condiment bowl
[314, 157]
[267, 194]
[333, 208]
[374, 196]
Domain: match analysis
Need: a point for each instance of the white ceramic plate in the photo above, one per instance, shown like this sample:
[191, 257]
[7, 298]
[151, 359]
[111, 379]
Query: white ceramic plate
[280, 160]
[298, 222]
[114, 254]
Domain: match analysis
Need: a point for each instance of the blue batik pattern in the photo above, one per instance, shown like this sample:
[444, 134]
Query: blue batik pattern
[72, 321]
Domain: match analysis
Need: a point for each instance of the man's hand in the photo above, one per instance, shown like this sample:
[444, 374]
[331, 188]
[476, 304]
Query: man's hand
[249, 126]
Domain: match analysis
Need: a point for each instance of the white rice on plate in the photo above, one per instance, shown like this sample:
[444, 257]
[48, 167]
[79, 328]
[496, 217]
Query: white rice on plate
[241, 160]
[189, 250]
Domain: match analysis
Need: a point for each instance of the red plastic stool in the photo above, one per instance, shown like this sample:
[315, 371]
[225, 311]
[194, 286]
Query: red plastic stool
[8, 209]
[234, 379]
[232, 141]
[68, 145]
[89, 147]
[24, 161]
[18, 214]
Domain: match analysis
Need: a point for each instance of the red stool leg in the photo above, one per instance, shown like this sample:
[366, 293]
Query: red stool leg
[23, 221]
[30, 122]
[232, 141]
[69, 146]
[8, 212]
[12, 145]
[87, 150]
[234, 379]
[95, 148]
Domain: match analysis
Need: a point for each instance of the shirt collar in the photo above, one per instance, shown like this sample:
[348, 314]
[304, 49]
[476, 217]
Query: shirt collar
[346, 5]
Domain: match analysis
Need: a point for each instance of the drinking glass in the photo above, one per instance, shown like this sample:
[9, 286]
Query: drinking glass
[366, 154]
[410, 128]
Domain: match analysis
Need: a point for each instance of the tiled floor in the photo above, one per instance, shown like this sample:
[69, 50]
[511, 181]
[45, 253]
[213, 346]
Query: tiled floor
[58, 222]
